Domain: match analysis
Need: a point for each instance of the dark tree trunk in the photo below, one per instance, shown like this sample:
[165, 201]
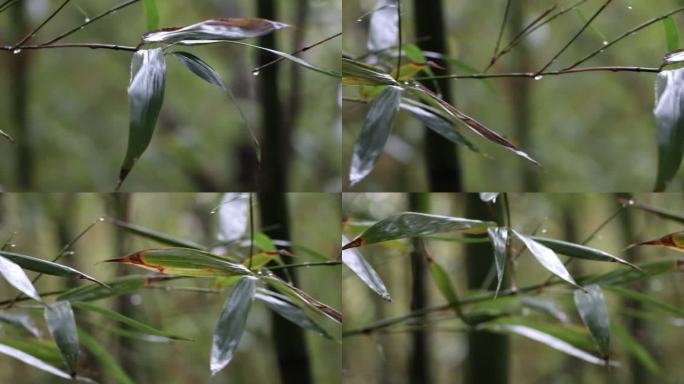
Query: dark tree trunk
[441, 156]
[487, 361]
[274, 136]
[419, 370]
[293, 359]
[18, 88]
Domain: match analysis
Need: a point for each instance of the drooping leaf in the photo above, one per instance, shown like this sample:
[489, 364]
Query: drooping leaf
[132, 323]
[647, 299]
[414, 224]
[671, 34]
[673, 241]
[285, 308]
[37, 363]
[119, 286]
[233, 216]
[44, 266]
[292, 58]
[357, 73]
[151, 234]
[106, 360]
[547, 306]
[6, 136]
[62, 325]
[581, 251]
[384, 26]
[356, 262]
[499, 238]
[182, 262]
[20, 320]
[17, 278]
[438, 123]
[594, 313]
[145, 96]
[669, 114]
[231, 323]
[374, 133]
[547, 258]
[151, 14]
[298, 296]
[214, 30]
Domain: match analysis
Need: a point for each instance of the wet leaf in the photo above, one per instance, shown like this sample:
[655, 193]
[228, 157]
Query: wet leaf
[17, 278]
[146, 96]
[384, 26]
[6, 136]
[151, 234]
[62, 325]
[233, 216]
[436, 122]
[358, 73]
[356, 262]
[374, 133]
[673, 241]
[647, 299]
[547, 258]
[671, 34]
[116, 287]
[285, 308]
[298, 296]
[594, 313]
[151, 14]
[214, 30]
[182, 262]
[499, 238]
[477, 127]
[44, 266]
[37, 363]
[669, 114]
[231, 323]
[581, 251]
[414, 224]
[104, 358]
[20, 320]
[132, 323]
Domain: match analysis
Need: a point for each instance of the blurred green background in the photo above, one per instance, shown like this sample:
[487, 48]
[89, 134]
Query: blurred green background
[590, 131]
[77, 104]
[385, 357]
[43, 223]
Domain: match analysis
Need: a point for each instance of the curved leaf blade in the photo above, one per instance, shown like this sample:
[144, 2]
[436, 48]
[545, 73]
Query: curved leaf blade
[17, 278]
[47, 267]
[671, 34]
[231, 323]
[37, 363]
[200, 68]
[21, 320]
[581, 251]
[436, 122]
[547, 258]
[116, 287]
[374, 133]
[442, 281]
[669, 114]
[182, 262]
[357, 73]
[647, 299]
[214, 30]
[672, 240]
[594, 313]
[356, 262]
[151, 14]
[146, 96]
[499, 238]
[151, 234]
[62, 325]
[290, 311]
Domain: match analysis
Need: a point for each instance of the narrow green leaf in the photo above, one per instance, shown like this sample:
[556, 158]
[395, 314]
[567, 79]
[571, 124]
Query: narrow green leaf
[37, 363]
[285, 308]
[151, 234]
[17, 278]
[580, 251]
[374, 133]
[672, 240]
[182, 262]
[62, 325]
[356, 262]
[547, 306]
[671, 34]
[298, 296]
[436, 122]
[105, 359]
[547, 258]
[414, 224]
[44, 266]
[214, 30]
[20, 320]
[294, 59]
[6, 136]
[594, 312]
[646, 299]
[358, 73]
[146, 96]
[151, 14]
[231, 323]
[264, 242]
[669, 114]
[499, 238]
[642, 355]
[135, 324]
[42, 349]
[120, 286]
[627, 276]
[442, 281]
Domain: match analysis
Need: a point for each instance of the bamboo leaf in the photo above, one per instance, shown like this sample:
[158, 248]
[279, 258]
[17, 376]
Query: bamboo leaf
[264, 242]
[200, 68]
[358, 73]
[280, 305]
[499, 238]
[414, 224]
[438, 123]
[6, 136]
[298, 296]
[44, 266]
[42, 349]
[594, 313]
[214, 30]
[182, 262]
[547, 258]
[151, 14]
[581, 251]
[37, 363]
[646, 299]
[105, 359]
[135, 324]
[374, 133]
[21, 320]
[671, 34]
[116, 287]
[233, 216]
[627, 276]
[17, 278]
[292, 58]
[673, 241]
[62, 325]
[146, 96]
[231, 323]
[356, 262]
[442, 281]
[151, 234]
[669, 114]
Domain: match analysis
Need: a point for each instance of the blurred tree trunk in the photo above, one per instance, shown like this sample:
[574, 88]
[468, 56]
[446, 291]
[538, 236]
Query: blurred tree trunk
[520, 94]
[18, 89]
[419, 370]
[293, 359]
[275, 141]
[487, 361]
[443, 166]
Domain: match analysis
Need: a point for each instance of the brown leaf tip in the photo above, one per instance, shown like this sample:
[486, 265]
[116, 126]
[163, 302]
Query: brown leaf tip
[358, 242]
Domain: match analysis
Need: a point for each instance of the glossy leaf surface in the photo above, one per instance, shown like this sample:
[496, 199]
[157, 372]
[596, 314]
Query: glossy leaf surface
[353, 259]
[499, 238]
[592, 308]
[62, 325]
[44, 266]
[37, 363]
[17, 278]
[182, 262]
[580, 251]
[669, 114]
[214, 30]
[547, 258]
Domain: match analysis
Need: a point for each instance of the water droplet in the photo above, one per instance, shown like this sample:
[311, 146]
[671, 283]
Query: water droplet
[17, 51]
[360, 19]
[12, 245]
[101, 219]
[605, 42]
[543, 230]
[538, 77]
[255, 73]
[630, 7]
[601, 51]
[87, 19]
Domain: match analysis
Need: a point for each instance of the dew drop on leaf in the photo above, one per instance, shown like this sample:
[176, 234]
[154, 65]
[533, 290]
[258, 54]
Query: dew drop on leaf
[538, 77]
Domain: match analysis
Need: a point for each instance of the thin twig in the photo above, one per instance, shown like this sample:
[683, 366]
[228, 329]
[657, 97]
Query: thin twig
[399, 37]
[114, 47]
[306, 265]
[533, 75]
[301, 50]
[39, 27]
[7, 4]
[251, 231]
[501, 32]
[574, 38]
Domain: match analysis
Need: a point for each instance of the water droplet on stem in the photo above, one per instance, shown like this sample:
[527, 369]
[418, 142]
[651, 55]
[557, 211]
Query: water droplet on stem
[538, 77]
